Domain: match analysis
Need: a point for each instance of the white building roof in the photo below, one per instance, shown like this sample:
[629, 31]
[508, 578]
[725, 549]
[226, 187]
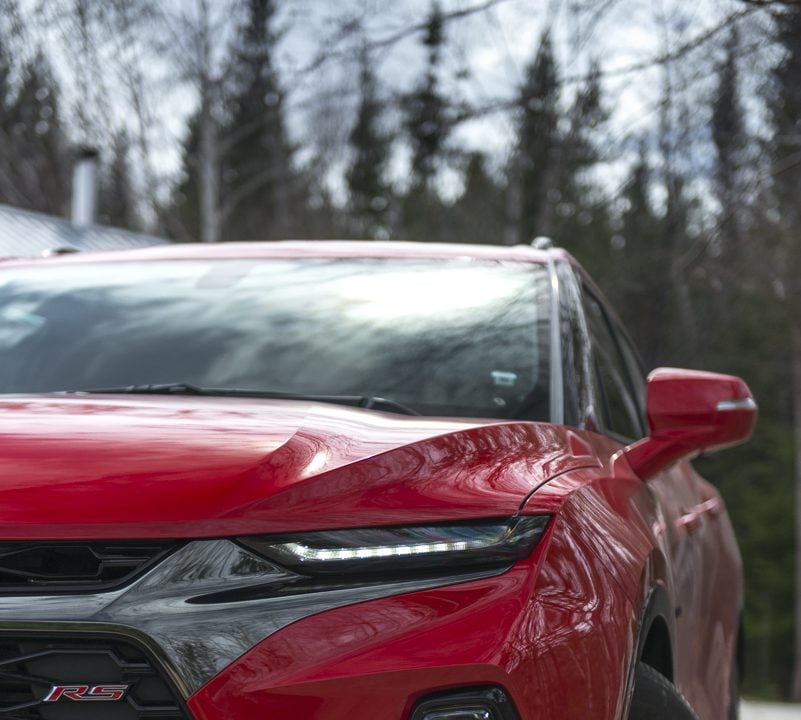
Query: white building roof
[29, 234]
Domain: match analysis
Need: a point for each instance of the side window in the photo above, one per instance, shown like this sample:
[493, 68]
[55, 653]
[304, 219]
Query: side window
[620, 410]
[636, 372]
[576, 359]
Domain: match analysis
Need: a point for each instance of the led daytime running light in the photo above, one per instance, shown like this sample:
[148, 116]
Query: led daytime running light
[494, 542]
[304, 552]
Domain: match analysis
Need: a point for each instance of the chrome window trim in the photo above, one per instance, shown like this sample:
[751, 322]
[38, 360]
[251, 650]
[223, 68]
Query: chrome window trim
[556, 380]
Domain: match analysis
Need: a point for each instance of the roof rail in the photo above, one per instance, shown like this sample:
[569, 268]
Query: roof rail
[542, 243]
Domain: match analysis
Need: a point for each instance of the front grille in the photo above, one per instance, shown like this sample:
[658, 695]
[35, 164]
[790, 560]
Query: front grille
[79, 671]
[55, 567]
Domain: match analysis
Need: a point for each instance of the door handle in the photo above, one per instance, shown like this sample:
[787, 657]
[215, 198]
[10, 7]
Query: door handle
[713, 507]
[690, 521]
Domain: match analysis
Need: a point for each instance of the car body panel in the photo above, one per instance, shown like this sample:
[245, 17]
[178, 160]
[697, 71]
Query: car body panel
[553, 631]
[646, 543]
[135, 467]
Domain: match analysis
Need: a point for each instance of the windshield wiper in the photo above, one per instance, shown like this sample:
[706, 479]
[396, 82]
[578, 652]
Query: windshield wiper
[370, 402]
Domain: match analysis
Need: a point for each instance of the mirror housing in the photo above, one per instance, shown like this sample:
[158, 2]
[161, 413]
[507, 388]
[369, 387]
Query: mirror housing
[690, 412]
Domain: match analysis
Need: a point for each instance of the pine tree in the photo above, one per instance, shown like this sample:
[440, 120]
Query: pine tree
[639, 221]
[182, 216]
[477, 216]
[257, 177]
[729, 263]
[617, 247]
[423, 215]
[587, 117]
[369, 191]
[730, 138]
[426, 108]
[116, 203]
[538, 145]
[576, 212]
[34, 146]
[5, 80]
[786, 115]
[8, 191]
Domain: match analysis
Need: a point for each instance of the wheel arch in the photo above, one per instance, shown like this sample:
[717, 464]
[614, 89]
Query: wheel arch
[654, 639]
[657, 649]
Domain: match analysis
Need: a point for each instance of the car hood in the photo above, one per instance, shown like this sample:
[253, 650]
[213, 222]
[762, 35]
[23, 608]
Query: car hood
[133, 467]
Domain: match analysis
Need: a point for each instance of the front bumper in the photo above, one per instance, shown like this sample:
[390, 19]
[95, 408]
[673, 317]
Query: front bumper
[554, 632]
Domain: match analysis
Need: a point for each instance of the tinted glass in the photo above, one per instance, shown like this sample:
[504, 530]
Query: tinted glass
[621, 414]
[634, 365]
[444, 337]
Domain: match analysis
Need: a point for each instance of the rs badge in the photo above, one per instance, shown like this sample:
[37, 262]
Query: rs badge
[86, 693]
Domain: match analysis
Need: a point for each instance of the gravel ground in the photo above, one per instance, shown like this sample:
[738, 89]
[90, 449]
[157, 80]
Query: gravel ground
[766, 711]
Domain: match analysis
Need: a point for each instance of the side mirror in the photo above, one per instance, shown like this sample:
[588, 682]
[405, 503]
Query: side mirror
[690, 412]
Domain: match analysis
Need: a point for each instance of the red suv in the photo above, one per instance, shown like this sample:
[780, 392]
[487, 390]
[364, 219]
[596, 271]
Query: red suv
[353, 481]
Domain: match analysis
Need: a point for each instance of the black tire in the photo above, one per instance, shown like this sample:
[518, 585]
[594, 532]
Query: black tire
[656, 698]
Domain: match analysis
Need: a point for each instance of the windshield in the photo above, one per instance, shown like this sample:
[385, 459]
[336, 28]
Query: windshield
[444, 337]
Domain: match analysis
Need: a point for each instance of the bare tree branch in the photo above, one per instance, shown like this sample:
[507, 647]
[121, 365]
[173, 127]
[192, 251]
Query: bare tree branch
[673, 55]
[352, 27]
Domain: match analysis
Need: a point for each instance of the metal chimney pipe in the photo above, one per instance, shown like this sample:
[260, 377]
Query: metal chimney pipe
[84, 187]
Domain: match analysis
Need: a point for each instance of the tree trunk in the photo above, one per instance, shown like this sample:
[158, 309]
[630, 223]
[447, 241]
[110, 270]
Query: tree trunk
[796, 360]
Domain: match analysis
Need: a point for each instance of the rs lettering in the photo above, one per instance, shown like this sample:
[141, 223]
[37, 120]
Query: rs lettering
[85, 693]
[70, 692]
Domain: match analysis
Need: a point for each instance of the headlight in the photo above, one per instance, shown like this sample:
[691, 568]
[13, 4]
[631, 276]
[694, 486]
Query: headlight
[461, 546]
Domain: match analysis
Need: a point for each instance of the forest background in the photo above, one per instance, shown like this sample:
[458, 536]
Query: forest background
[658, 141]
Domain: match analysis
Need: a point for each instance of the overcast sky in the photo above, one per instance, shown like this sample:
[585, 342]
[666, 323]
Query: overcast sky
[488, 52]
[484, 63]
